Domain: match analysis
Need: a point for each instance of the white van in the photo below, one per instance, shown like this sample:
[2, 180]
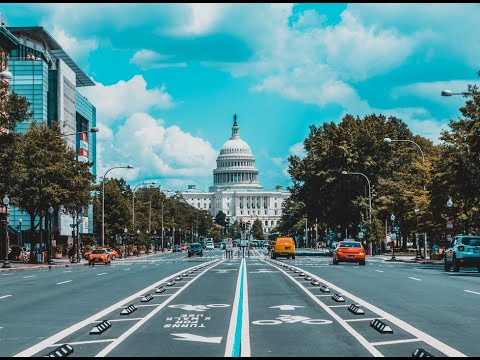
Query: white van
[209, 245]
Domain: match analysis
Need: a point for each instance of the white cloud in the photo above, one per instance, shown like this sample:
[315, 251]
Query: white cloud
[309, 19]
[125, 98]
[147, 59]
[77, 49]
[298, 149]
[156, 150]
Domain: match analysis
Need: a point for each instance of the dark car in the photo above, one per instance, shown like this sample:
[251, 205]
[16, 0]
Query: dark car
[177, 248]
[195, 249]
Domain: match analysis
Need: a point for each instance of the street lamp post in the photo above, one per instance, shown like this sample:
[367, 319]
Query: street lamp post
[155, 241]
[392, 241]
[49, 252]
[92, 130]
[125, 232]
[418, 256]
[6, 201]
[450, 219]
[388, 141]
[138, 241]
[20, 232]
[103, 198]
[369, 200]
[306, 222]
[133, 199]
[163, 248]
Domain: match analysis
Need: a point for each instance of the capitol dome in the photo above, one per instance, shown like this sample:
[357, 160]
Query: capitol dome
[235, 164]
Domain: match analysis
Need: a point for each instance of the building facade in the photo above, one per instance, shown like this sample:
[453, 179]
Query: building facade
[44, 74]
[236, 190]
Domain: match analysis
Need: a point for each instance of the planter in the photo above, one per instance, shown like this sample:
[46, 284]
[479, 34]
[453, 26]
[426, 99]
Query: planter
[58, 255]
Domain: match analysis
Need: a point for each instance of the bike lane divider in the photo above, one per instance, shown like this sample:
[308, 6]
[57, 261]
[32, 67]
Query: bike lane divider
[195, 322]
[404, 333]
[285, 321]
[76, 332]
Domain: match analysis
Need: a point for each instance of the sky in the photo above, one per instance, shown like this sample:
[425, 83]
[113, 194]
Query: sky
[169, 77]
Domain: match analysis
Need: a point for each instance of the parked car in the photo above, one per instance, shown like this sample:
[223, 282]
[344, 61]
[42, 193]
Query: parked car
[177, 248]
[98, 256]
[463, 251]
[210, 246]
[195, 249]
[184, 247]
[349, 251]
[284, 246]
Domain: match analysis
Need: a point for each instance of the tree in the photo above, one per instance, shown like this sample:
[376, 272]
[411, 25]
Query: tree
[13, 109]
[50, 175]
[257, 229]
[457, 169]
[220, 218]
[118, 210]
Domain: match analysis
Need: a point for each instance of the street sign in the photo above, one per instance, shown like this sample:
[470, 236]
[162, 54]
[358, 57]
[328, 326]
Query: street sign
[396, 228]
[449, 224]
[364, 230]
[360, 235]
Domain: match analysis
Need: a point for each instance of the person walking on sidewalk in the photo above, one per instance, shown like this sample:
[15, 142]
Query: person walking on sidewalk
[71, 253]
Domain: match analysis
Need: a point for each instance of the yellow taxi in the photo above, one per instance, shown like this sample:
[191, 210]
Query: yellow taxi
[99, 256]
[284, 246]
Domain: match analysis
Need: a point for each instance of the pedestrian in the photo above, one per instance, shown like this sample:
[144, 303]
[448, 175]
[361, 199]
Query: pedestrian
[71, 253]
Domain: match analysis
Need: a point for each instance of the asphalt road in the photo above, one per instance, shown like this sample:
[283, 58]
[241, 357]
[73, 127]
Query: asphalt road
[251, 306]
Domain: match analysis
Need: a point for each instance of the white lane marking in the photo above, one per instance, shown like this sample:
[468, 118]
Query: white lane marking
[430, 340]
[363, 319]
[4, 296]
[67, 271]
[7, 274]
[325, 295]
[414, 278]
[113, 320]
[144, 266]
[129, 268]
[335, 306]
[473, 292]
[379, 270]
[392, 342]
[64, 333]
[28, 276]
[64, 282]
[245, 341]
[198, 338]
[102, 274]
[84, 342]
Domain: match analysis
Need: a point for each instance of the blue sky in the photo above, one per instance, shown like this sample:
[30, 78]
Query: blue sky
[170, 76]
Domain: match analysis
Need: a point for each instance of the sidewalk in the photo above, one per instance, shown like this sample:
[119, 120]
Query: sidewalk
[64, 262]
[406, 258]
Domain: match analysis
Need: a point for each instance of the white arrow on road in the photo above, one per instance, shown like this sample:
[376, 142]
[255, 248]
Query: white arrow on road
[286, 307]
[193, 337]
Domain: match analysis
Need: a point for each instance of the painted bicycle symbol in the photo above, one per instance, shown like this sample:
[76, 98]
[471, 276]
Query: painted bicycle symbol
[291, 319]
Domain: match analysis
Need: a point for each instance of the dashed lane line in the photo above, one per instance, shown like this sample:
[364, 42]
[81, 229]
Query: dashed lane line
[379, 270]
[415, 278]
[102, 274]
[84, 342]
[4, 296]
[472, 292]
[393, 342]
[28, 276]
[64, 282]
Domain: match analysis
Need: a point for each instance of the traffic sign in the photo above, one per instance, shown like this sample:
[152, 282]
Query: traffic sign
[396, 228]
[360, 235]
[449, 224]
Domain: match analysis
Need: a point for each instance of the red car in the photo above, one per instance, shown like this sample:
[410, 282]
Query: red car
[349, 251]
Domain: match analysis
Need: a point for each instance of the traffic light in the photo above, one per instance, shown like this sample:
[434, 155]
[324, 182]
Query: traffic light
[243, 225]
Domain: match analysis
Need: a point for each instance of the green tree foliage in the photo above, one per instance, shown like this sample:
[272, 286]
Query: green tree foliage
[118, 209]
[396, 172]
[220, 218]
[50, 174]
[257, 229]
[13, 109]
[457, 170]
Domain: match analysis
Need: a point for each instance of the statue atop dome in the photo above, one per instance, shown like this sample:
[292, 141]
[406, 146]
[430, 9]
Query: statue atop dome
[235, 120]
[235, 128]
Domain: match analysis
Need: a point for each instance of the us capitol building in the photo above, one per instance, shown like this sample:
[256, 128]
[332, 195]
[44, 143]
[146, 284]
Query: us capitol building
[236, 190]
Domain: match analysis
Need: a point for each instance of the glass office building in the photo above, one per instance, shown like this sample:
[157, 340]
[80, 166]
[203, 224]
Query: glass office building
[49, 78]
